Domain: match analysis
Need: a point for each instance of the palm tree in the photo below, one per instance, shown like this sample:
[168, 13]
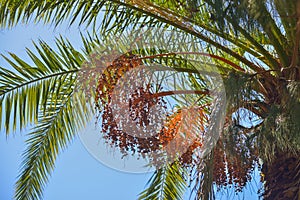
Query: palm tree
[254, 45]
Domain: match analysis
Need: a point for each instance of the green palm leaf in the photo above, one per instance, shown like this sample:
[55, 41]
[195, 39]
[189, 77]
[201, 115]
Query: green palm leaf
[166, 183]
[48, 95]
[25, 88]
[14, 11]
[52, 134]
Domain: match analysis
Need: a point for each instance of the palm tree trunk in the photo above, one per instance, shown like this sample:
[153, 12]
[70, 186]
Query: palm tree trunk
[282, 177]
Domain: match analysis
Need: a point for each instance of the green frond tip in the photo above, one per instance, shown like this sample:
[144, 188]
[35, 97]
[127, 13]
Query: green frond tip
[166, 183]
[52, 134]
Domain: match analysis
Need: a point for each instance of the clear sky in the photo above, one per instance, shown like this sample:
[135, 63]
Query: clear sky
[77, 174]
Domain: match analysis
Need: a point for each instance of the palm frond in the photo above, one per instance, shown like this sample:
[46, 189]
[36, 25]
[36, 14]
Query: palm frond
[44, 94]
[55, 130]
[162, 14]
[25, 88]
[49, 95]
[13, 11]
[166, 183]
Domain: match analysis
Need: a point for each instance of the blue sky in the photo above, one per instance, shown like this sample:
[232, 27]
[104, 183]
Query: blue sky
[77, 174]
